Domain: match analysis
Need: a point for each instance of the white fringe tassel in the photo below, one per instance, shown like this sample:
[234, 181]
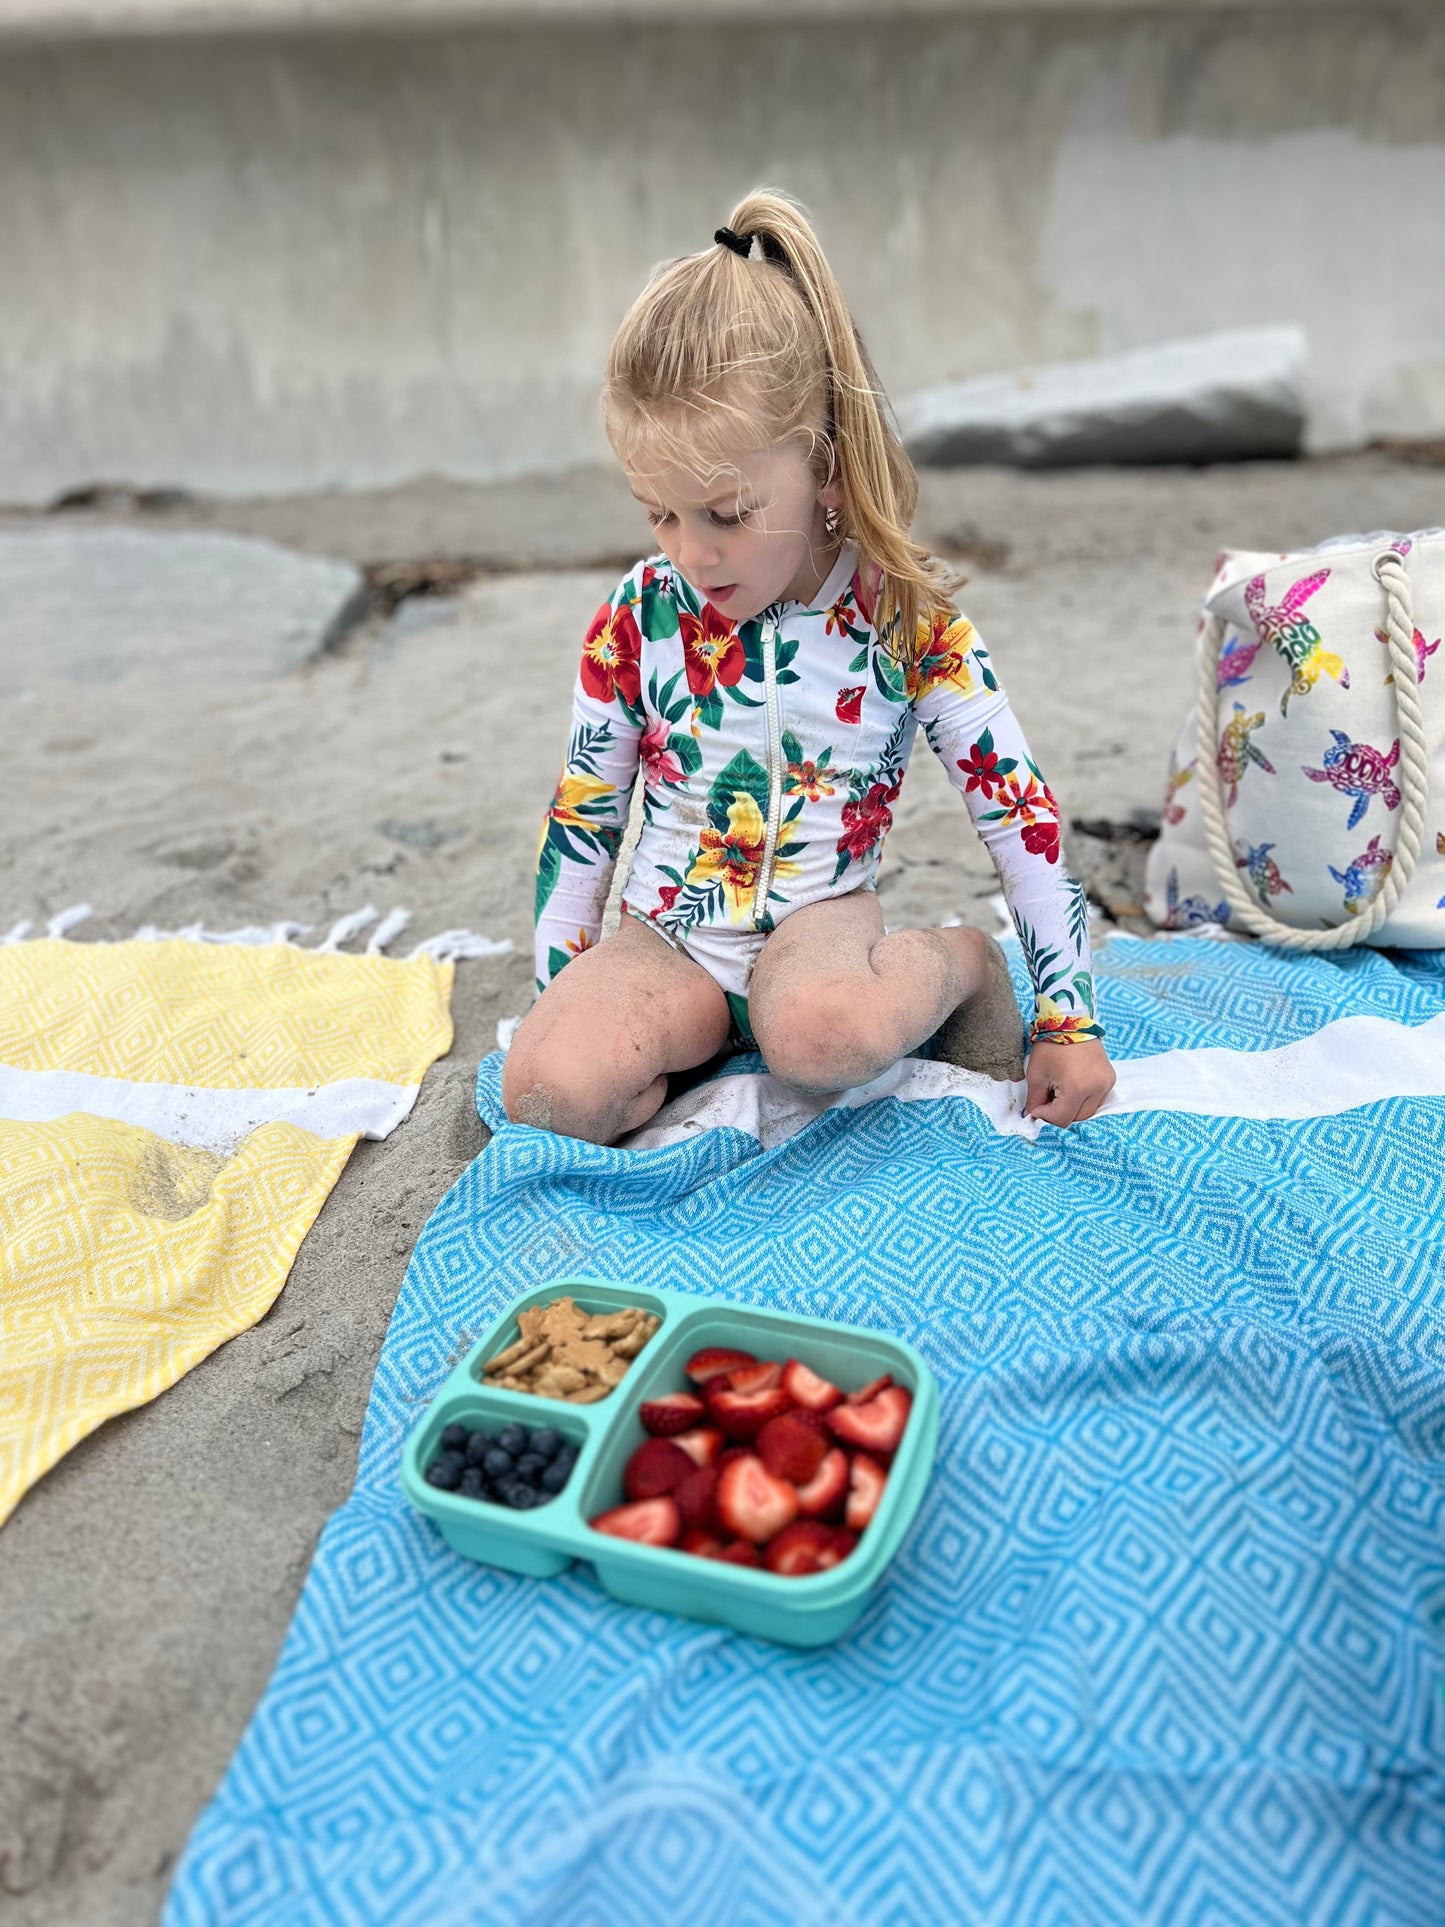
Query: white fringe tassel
[391, 925]
[460, 946]
[449, 946]
[345, 928]
[64, 920]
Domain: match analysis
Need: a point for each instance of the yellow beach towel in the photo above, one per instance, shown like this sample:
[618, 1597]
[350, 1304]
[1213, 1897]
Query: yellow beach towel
[172, 1116]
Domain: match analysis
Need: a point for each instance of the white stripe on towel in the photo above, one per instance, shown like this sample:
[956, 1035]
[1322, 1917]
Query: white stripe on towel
[213, 1120]
[1353, 1061]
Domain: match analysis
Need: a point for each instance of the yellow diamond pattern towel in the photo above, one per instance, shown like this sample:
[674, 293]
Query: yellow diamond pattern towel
[172, 1117]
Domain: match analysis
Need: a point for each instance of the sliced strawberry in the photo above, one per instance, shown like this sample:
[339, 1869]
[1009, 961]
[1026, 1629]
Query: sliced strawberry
[865, 1489]
[791, 1448]
[870, 1391]
[652, 1523]
[742, 1415]
[805, 1388]
[673, 1412]
[656, 1467]
[755, 1377]
[806, 1546]
[752, 1503]
[825, 1495]
[713, 1359]
[739, 1553]
[702, 1545]
[701, 1445]
[695, 1497]
[844, 1541]
[877, 1426]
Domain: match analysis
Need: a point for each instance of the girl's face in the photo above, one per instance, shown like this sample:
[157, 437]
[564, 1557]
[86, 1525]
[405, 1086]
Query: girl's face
[749, 533]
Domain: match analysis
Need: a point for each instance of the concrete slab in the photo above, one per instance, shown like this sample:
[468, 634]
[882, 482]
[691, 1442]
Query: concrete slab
[1238, 395]
[93, 605]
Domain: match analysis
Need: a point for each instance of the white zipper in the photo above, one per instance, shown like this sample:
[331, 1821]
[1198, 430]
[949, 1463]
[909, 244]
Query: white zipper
[775, 770]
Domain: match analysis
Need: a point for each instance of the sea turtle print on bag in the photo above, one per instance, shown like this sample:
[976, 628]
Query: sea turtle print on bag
[1302, 641]
[1363, 879]
[1294, 635]
[772, 752]
[1185, 913]
[1237, 752]
[1423, 652]
[1358, 771]
[1263, 871]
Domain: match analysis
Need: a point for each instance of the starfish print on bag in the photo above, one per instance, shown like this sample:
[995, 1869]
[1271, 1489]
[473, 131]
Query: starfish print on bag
[1237, 752]
[1263, 872]
[1357, 770]
[1295, 637]
[1364, 879]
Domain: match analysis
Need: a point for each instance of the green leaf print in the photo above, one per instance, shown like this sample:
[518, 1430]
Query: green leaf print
[1085, 991]
[792, 748]
[744, 775]
[659, 611]
[688, 751]
[557, 960]
[549, 868]
[709, 710]
[888, 676]
[1078, 919]
[860, 661]
[1041, 963]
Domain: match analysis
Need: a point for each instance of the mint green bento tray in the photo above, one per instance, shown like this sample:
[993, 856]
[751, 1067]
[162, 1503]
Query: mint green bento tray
[544, 1541]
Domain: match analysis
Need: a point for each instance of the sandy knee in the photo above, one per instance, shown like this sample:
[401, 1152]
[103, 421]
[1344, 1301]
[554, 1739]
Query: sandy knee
[532, 1105]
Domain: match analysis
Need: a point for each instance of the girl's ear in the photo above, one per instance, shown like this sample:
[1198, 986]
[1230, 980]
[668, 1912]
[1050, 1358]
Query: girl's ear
[831, 496]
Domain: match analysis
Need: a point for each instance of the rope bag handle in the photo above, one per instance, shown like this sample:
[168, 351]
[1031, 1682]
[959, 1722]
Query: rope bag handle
[1389, 571]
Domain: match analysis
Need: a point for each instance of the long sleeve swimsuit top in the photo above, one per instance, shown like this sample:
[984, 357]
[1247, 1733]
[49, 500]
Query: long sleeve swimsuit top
[772, 752]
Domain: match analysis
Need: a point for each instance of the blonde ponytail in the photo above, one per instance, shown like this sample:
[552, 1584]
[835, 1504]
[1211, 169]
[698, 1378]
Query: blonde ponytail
[722, 351]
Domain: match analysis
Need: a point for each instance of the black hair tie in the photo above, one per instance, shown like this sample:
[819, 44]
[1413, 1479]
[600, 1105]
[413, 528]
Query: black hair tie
[734, 241]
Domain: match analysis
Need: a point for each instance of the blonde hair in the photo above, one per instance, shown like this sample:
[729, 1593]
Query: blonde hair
[722, 353]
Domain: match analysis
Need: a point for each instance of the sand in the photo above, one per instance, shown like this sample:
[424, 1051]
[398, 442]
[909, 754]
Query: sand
[147, 1582]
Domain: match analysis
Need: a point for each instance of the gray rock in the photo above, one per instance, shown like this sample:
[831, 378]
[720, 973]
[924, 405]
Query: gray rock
[1226, 397]
[94, 605]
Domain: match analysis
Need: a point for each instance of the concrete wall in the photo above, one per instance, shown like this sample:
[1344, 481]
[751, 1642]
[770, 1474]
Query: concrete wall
[262, 262]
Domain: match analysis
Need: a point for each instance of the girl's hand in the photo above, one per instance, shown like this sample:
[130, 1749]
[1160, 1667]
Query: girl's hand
[1067, 1082]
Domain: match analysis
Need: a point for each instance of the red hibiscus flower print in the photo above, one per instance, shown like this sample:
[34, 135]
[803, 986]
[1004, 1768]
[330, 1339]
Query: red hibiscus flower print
[841, 614]
[850, 704]
[712, 650]
[658, 761]
[984, 767]
[667, 895]
[1043, 840]
[611, 656]
[867, 820]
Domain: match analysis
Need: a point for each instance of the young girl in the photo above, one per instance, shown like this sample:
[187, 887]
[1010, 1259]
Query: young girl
[767, 671]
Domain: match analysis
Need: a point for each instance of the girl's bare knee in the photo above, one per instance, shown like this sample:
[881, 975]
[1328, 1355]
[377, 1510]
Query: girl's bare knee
[826, 1040]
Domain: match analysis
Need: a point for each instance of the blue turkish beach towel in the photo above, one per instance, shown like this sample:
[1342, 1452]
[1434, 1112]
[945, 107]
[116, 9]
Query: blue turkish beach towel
[1164, 1642]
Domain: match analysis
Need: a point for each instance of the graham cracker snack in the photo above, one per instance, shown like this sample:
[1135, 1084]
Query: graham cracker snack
[567, 1353]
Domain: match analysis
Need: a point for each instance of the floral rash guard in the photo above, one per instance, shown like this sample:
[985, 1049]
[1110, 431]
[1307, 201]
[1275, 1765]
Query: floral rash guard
[772, 752]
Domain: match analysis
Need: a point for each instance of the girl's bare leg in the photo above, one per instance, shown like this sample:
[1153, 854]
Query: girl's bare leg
[592, 1055]
[834, 1003]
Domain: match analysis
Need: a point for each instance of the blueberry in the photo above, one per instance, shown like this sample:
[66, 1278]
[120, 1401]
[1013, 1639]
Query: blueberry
[514, 1493]
[444, 1473]
[530, 1467]
[556, 1475]
[473, 1486]
[513, 1439]
[454, 1438]
[546, 1441]
[497, 1464]
[478, 1446]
